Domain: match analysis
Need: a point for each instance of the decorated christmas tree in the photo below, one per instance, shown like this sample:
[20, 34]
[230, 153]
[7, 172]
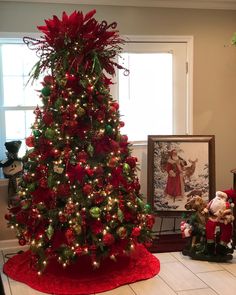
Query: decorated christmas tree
[79, 194]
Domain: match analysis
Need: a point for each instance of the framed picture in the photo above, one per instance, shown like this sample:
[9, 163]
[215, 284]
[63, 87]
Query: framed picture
[179, 167]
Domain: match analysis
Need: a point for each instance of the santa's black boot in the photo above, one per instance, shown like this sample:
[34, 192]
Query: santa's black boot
[221, 250]
[210, 249]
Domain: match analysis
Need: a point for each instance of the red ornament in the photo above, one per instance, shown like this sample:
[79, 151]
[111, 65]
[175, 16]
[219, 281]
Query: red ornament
[150, 220]
[62, 218]
[22, 241]
[112, 162]
[48, 79]
[8, 216]
[108, 239]
[136, 232]
[90, 171]
[87, 188]
[115, 105]
[30, 141]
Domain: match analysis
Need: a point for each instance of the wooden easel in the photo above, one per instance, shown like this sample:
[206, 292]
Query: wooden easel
[234, 209]
[234, 178]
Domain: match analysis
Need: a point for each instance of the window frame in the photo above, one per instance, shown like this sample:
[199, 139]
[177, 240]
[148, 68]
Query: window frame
[10, 38]
[188, 40]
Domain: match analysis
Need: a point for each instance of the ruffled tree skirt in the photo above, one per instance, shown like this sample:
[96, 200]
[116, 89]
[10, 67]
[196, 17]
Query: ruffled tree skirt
[81, 278]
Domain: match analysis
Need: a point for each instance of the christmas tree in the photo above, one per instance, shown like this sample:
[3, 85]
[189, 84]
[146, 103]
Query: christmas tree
[79, 194]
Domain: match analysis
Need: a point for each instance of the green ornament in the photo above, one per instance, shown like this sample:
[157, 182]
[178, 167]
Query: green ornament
[46, 91]
[67, 253]
[95, 212]
[51, 182]
[58, 103]
[36, 133]
[31, 187]
[50, 231]
[120, 215]
[80, 112]
[90, 150]
[140, 203]
[108, 129]
[126, 168]
[49, 133]
[147, 208]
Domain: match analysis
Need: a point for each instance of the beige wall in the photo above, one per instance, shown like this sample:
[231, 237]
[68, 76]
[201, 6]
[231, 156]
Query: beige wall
[214, 95]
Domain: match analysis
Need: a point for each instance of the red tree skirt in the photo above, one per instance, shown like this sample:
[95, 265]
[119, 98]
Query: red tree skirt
[81, 278]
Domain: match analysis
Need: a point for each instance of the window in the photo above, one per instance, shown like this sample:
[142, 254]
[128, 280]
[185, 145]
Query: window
[155, 97]
[17, 101]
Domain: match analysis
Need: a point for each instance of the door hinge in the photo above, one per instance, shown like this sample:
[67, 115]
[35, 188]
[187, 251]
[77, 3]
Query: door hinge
[186, 65]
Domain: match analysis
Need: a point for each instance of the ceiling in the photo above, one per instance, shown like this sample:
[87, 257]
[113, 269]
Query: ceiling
[200, 4]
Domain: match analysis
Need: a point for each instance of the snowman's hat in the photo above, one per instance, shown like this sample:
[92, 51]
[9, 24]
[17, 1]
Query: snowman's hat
[12, 148]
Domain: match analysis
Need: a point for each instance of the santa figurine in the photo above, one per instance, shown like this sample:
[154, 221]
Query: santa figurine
[220, 215]
[12, 167]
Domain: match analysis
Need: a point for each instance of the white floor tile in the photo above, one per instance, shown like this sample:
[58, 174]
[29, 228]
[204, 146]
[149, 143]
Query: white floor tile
[123, 290]
[152, 286]
[223, 282]
[230, 266]
[207, 291]
[165, 257]
[197, 266]
[179, 278]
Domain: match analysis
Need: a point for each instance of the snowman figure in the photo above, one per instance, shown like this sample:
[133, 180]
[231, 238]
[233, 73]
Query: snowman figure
[12, 167]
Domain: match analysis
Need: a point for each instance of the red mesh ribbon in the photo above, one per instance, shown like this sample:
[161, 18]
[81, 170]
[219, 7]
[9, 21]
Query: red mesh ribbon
[80, 278]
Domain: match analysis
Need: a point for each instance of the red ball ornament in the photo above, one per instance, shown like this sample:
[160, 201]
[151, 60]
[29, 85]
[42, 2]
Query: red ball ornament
[122, 124]
[108, 239]
[62, 218]
[48, 79]
[150, 220]
[87, 189]
[136, 232]
[30, 141]
[22, 241]
[8, 216]
[112, 110]
[112, 162]
[115, 105]
[90, 171]
[55, 153]
[124, 138]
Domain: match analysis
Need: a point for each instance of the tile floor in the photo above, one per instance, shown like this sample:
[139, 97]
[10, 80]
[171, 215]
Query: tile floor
[179, 275]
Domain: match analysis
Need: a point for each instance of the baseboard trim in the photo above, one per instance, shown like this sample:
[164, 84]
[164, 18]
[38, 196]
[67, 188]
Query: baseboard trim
[6, 244]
